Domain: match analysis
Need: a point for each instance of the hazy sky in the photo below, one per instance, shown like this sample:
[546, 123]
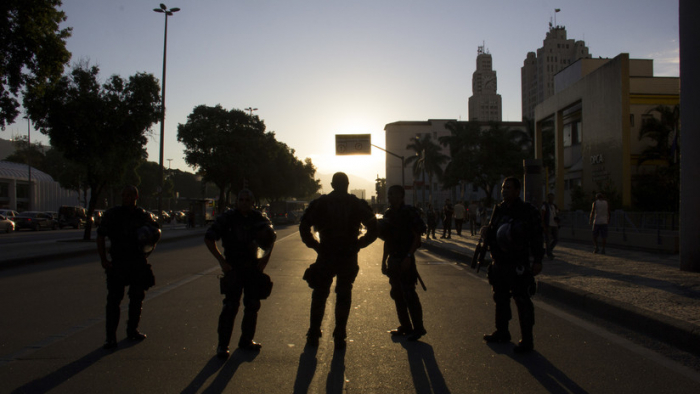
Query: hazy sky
[316, 68]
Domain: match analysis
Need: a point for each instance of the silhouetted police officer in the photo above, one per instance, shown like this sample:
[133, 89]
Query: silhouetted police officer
[401, 229]
[240, 232]
[338, 218]
[129, 265]
[514, 235]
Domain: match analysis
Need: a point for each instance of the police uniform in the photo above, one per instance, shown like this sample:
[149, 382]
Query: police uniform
[337, 217]
[129, 266]
[238, 234]
[397, 229]
[514, 237]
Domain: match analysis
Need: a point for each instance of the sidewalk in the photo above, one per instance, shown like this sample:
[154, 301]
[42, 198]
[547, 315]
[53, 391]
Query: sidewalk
[15, 254]
[643, 291]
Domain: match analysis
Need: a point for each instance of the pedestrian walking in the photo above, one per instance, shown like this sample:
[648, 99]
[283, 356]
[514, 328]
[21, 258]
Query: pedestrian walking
[247, 238]
[447, 214]
[600, 218]
[133, 234]
[514, 237]
[401, 229]
[432, 219]
[550, 224]
[338, 218]
[473, 217]
[459, 212]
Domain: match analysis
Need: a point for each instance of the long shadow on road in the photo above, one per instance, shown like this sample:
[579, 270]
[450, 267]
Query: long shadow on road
[227, 369]
[63, 374]
[425, 371]
[552, 379]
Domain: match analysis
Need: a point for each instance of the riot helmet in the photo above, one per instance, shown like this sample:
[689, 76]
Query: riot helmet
[510, 236]
[147, 236]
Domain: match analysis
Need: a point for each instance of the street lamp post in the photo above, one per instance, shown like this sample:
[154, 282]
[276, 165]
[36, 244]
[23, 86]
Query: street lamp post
[251, 109]
[29, 165]
[168, 12]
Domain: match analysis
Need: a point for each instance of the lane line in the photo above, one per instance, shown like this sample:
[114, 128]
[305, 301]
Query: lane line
[51, 339]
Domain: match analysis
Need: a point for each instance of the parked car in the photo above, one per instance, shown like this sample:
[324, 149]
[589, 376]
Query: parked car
[97, 216]
[69, 216]
[34, 221]
[54, 217]
[6, 225]
[8, 213]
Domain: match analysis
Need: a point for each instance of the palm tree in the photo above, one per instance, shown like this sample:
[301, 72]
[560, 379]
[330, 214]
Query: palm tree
[428, 160]
[664, 132]
[483, 157]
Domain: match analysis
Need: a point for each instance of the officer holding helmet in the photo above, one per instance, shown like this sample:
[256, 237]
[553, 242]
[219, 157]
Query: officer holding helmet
[132, 233]
[248, 238]
[514, 237]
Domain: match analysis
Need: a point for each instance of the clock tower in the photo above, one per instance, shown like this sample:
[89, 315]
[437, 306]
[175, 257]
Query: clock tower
[485, 103]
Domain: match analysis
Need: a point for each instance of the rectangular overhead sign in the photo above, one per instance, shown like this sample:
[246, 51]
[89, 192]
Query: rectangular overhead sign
[353, 144]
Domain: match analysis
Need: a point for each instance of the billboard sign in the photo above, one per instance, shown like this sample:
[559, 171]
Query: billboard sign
[353, 144]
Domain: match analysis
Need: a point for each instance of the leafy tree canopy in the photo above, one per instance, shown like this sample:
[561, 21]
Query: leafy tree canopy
[232, 150]
[100, 128]
[33, 49]
[484, 156]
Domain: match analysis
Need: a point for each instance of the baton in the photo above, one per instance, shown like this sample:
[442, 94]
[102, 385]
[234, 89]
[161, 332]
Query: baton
[421, 282]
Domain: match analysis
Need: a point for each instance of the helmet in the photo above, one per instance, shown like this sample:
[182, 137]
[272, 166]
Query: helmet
[265, 237]
[510, 236]
[148, 236]
[383, 228]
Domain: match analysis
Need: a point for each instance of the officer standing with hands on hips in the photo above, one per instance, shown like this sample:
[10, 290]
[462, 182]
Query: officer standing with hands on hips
[338, 218]
[401, 229]
[248, 238]
[514, 236]
[132, 233]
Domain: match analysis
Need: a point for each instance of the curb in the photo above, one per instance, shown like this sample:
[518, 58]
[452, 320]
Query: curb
[675, 332]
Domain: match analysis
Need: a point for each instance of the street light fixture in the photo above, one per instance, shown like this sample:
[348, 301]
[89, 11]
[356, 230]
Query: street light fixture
[168, 12]
[251, 109]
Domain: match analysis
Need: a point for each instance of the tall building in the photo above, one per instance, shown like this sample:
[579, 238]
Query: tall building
[597, 111]
[537, 73]
[485, 103]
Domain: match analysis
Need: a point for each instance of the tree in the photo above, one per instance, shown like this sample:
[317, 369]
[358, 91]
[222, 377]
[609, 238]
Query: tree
[221, 145]
[232, 150]
[102, 129]
[663, 131]
[428, 160]
[380, 189]
[660, 188]
[25, 153]
[483, 157]
[33, 49]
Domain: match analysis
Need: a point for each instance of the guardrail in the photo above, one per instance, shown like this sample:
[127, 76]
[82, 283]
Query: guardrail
[631, 227]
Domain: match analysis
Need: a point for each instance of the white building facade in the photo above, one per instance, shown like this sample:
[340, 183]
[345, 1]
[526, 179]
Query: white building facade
[41, 194]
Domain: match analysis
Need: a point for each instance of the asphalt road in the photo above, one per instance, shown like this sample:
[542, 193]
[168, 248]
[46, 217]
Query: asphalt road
[52, 329]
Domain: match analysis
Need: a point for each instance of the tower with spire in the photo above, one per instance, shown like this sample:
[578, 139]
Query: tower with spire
[485, 103]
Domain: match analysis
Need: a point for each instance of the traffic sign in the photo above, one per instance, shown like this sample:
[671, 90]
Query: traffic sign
[353, 144]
